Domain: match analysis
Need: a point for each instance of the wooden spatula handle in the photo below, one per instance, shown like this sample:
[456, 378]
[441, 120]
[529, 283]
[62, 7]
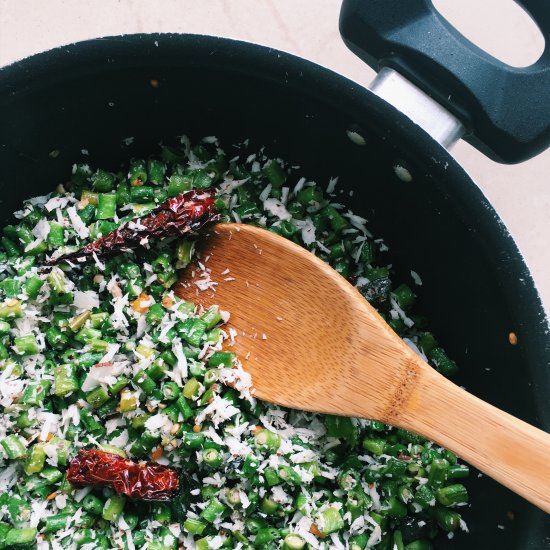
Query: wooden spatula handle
[507, 449]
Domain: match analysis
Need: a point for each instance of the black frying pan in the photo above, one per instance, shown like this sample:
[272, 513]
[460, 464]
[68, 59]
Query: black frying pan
[476, 287]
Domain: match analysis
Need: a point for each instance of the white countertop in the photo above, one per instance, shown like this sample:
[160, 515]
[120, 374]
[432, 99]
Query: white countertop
[309, 28]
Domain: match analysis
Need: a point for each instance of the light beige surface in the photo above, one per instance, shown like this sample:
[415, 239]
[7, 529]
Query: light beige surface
[309, 28]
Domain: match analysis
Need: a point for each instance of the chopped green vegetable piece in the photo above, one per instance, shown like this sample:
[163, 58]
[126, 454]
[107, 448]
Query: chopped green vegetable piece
[14, 447]
[20, 537]
[65, 380]
[113, 508]
[329, 521]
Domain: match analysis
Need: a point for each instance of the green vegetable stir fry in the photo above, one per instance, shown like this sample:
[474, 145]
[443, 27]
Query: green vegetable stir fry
[103, 354]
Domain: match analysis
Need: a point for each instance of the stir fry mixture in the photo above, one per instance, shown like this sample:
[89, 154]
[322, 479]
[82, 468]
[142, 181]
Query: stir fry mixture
[128, 422]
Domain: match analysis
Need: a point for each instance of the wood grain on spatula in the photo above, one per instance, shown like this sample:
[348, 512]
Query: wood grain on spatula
[312, 342]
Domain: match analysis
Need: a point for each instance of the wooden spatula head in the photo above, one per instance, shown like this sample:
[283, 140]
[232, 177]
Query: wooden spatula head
[306, 336]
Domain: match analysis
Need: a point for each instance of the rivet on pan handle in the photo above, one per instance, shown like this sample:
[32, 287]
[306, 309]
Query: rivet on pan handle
[505, 110]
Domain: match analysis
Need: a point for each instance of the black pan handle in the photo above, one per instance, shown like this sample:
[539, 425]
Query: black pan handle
[506, 110]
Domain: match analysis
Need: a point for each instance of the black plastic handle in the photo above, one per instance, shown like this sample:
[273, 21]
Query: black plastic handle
[506, 110]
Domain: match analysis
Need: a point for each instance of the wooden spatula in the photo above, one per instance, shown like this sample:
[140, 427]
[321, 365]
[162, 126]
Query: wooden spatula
[312, 342]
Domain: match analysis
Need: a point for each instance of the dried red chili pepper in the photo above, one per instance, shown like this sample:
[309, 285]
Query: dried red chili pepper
[175, 217]
[141, 480]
